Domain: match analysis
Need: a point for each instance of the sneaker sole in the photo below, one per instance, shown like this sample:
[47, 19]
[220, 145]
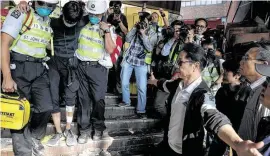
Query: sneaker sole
[72, 144]
[50, 145]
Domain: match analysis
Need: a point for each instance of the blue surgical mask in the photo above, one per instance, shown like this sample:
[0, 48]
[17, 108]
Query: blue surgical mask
[94, 20]
[43, 11]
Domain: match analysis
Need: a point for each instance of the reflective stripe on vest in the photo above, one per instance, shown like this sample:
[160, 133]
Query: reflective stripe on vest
[148, 57]
[91, 44]
[34, 41]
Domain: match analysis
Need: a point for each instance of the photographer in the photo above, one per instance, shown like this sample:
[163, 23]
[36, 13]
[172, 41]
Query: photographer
[174, 37]
[167, 53]
[138, 57]
[213, 72]
[200, 27]
[118, 19]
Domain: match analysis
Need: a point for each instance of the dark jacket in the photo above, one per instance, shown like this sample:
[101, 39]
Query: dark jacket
[228, 105]
[193, 132]
[65, 38]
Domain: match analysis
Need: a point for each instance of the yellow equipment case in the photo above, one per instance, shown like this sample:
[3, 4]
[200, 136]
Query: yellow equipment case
[15, 112]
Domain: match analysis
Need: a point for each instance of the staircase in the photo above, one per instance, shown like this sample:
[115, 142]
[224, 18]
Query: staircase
[129, 135]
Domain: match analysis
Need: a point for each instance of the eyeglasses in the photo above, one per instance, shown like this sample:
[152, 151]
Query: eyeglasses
[49, 5]
[200, 26]
[180, 63]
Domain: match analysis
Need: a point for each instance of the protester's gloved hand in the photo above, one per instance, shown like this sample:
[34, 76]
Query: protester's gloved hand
[248, 148]
[23, 6]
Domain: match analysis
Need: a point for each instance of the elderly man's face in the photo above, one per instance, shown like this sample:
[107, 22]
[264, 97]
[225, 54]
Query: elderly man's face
[200, 27]
[247, 64]
[265, 96]
[185, 67]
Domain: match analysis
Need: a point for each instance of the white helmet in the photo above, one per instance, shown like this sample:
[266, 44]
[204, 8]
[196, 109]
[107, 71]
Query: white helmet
[96, 7]
[51, 1]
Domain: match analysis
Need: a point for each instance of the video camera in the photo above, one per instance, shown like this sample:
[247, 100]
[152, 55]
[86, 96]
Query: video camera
[211, 56]
[169, 32]
[116, 6]
[117, 9]
[142, 16]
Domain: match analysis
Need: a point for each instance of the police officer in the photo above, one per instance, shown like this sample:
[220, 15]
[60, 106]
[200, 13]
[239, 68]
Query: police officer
[24, 69]
[95, 44]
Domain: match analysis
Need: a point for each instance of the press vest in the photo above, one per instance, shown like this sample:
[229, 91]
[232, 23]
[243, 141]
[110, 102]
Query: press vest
[34, 41]
[174, 54]
[210, 75]
[91, 44]
[148, 56]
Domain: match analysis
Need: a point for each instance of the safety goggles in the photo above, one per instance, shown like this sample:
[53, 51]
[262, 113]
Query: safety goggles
[49, 5]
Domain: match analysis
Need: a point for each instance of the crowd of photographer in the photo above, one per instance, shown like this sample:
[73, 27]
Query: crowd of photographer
[201, 113]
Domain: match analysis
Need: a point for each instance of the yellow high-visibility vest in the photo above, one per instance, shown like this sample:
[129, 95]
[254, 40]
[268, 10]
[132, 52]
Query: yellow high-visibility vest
[34, 41]
[91, 43]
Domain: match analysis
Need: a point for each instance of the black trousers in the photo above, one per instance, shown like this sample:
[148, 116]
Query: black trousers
[33, 83]
[164, 149]
[160, 103]
[62, 89]
[114, 81]
[93, 85]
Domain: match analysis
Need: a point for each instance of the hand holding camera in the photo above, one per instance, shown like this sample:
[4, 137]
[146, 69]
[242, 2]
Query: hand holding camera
[117, 18]
[142, 25]
[161, 11]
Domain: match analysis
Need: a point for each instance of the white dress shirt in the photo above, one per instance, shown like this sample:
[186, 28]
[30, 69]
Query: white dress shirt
[178, 110]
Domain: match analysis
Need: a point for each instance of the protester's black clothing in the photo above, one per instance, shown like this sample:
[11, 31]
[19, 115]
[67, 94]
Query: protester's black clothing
[65, 38]
[115, 23]
[33, 84]
[193, 134]
[63, 82]
[93, 85]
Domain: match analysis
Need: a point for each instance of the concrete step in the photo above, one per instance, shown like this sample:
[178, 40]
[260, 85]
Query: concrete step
[112, 126]
[111, 112]
[116, 144]
[116, 99]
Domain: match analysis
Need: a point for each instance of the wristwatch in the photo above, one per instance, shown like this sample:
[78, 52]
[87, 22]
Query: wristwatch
[107, 30]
